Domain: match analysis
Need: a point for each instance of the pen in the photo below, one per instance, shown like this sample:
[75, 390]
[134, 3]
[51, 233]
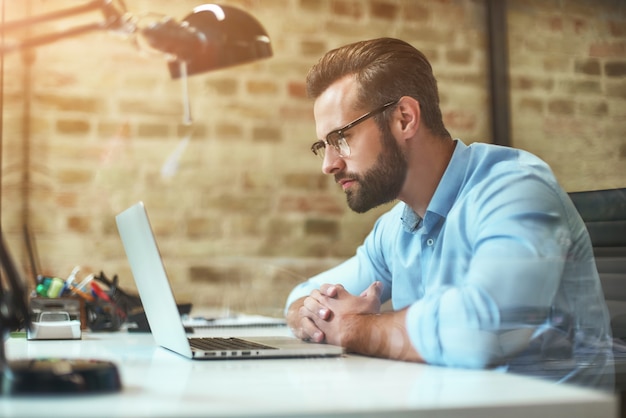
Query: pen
[69, 280]
[83, 285]
[95, 288]
[75, 290]
[101, 294]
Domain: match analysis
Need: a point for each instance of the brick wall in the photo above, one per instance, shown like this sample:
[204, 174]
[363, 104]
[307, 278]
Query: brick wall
[89, 123]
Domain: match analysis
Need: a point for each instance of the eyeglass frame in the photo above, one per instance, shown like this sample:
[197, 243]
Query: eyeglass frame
[341, 141]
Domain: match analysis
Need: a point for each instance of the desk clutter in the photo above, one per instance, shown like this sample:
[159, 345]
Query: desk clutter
[95, 302]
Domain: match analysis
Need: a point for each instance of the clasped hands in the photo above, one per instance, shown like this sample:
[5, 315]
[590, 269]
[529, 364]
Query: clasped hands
[332, 315]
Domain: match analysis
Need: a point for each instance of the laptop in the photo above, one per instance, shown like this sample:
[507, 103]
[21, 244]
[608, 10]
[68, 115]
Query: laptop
[162, 313]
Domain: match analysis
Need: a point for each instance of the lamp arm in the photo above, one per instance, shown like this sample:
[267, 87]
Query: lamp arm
[52, 37]
[73, 11]
[113, 18]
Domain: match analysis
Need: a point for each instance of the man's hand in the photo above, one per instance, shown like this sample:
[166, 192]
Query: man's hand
[336, 300]
[299, 319]
[337, 310]
[354, 322]
[304, 312]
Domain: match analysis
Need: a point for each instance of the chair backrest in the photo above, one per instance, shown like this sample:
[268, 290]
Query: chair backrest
[604, 213]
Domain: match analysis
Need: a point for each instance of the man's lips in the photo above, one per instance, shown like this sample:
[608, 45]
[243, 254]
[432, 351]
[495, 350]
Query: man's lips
[346, 183]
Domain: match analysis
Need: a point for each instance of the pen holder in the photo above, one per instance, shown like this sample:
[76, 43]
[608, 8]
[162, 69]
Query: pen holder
[104, 316]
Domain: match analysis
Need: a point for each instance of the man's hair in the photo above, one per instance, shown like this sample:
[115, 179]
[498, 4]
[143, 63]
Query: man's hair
[385, 69]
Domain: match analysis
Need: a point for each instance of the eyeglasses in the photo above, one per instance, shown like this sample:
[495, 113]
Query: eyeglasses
[337, 138]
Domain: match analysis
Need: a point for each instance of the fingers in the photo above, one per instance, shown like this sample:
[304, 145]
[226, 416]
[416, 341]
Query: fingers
[300, 321]
[331, 290]
[374, 290]
[304, 317]
[312, 303]
[307, 330]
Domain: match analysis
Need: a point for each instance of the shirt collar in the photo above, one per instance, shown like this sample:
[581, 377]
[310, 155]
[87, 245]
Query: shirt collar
[446, 191]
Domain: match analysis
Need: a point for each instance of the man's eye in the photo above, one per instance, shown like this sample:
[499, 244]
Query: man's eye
[334, 139]
[345, 136]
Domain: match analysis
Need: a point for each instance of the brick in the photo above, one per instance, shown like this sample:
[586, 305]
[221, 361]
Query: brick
[321, 227]
[234, 203]
[113, 129]
[66, 200]
[348, 8]
[425, 35]
[245, 226]
[561, 106]
[73, 126]
[309, 6]
[146, 106]
[228, 131]
[109, 227]
[223, 86]
[416, 12]
[310, 204]
[581, 86]
[617, 28]
[313, 48]
[153, 130]
[297, 90]
[198, 130]
[197, 227]
[615, 69]
[261, 87]
[557, 63]
[458, 56]
[532, 83]
[340, 31]
[383, 10]
[594, 108]
[266, 134]
[305, 181]
[555, 24]
[605, 49]
[74, 176]
[460, 120]
[213, 274]
[300, 113]
[282, 228]
[531, 104]
[616, 89]
[69, 103]
[588, 66]
[78, 224]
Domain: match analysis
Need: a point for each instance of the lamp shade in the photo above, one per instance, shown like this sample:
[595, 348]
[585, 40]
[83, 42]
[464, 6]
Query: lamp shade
[229, 36]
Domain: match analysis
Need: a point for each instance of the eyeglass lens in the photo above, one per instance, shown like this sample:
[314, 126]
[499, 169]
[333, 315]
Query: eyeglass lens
[336, 138]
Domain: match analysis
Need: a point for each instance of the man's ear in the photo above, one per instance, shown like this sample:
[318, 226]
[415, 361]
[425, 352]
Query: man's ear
[407, 118]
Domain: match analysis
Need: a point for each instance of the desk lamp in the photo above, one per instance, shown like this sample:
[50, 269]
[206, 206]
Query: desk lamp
[210, 38]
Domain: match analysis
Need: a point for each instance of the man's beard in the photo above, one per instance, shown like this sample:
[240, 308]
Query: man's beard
[382, 183]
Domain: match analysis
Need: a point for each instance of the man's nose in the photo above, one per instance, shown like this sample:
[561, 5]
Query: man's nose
[332, 162]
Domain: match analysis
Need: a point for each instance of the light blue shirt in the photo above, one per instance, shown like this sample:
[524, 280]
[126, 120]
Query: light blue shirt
[499, 272]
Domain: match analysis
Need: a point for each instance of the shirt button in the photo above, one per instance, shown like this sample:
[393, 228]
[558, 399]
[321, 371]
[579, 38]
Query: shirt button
[430, 242]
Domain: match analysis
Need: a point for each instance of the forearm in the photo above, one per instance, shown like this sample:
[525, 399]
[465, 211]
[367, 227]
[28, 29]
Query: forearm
[380, 335]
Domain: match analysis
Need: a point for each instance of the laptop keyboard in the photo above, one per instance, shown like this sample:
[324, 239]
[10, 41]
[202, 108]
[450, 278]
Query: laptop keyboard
[217, 344]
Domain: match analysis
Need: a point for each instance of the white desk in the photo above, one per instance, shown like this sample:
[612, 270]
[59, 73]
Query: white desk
[158, 383]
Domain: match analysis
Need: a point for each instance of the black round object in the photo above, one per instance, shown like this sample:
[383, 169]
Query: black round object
[59, 376]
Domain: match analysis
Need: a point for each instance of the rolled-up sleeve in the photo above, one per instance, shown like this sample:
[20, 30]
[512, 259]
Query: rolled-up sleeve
[515, 250]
